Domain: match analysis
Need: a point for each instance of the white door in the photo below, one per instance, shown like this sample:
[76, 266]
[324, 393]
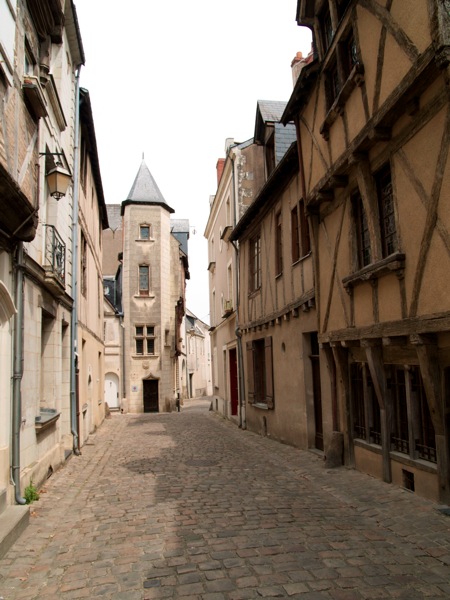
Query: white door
[112, 390]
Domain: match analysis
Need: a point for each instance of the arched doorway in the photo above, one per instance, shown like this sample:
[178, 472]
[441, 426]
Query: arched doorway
[112, 390]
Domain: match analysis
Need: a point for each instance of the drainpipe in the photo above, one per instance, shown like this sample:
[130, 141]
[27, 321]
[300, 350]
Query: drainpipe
[122, 327]
[17, 377]
[241, 385]
[74, 399]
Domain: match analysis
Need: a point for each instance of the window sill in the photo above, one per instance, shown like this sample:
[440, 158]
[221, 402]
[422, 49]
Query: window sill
[417, 463]
[301, 259]
[260, 406]
[47, 417]
[145, 356]
[144, 240]
[395, 263]
[144, 296]
[32, 91]
[354, 80]
[254, 293]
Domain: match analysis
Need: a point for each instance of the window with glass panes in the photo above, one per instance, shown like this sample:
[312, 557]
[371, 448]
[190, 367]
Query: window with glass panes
[144, 280]
[145, 339]
[388, 232]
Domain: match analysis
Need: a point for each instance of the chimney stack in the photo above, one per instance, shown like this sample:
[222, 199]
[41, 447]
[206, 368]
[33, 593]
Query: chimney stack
[298, 63]
[219, 167]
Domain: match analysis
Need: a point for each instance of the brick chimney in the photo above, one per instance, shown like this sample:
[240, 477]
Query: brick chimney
[219, 167]
[298, 63]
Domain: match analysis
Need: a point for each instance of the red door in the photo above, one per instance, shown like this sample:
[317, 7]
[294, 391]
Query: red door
[234, 396]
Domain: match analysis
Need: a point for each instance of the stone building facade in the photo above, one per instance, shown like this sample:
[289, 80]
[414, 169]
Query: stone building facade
[239, 176]
[43, 111]
[148, 293]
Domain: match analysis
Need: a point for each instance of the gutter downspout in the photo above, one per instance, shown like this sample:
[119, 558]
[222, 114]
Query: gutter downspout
[241, 383]
[74, 399]
[124, 387]
[17, 377]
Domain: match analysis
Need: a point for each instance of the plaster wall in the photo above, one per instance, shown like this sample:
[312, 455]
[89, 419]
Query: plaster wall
[288, 421]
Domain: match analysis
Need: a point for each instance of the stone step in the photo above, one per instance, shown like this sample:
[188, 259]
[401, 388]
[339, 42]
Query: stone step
[3, 503]
[13, 521]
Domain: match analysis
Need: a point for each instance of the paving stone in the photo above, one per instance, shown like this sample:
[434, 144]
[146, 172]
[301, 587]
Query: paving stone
[189, 506]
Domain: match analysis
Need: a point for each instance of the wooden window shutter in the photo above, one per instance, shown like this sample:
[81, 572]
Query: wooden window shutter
[269, 371]
[250, 373]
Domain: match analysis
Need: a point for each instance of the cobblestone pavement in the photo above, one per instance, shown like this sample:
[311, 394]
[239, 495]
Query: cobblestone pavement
[186, 505]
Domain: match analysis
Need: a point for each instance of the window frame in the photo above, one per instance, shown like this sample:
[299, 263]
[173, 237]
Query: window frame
[362, 232]
[144, 291]
[83, 265]
[143, 226]
[295, 235]
[386, 210]
[278, 244]
[260, 381]
[255, 263]
[305, 238]
[144, 340]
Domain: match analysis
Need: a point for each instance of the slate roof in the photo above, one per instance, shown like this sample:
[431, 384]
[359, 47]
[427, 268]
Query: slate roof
[114, 218]
[284, 136]
[145, 191]
[271, 110]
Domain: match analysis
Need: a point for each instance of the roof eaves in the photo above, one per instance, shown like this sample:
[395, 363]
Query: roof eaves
[301, 90]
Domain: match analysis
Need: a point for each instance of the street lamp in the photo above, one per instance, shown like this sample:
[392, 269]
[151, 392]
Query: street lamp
[58, 178]
[58, 181]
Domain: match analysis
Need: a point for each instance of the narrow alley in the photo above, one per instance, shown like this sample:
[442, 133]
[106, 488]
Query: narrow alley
[186, 505]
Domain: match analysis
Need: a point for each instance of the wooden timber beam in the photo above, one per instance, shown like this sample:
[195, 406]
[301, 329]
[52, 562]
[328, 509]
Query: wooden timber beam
[374, 354]
[427, 353]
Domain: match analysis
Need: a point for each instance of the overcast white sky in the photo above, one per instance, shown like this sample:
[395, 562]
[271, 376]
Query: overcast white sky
[172, 80]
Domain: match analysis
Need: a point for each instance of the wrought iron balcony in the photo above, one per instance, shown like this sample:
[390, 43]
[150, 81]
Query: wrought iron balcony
[54, 258]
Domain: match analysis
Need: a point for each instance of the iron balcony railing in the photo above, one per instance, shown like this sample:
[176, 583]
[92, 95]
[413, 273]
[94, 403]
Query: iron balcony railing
[55, 253]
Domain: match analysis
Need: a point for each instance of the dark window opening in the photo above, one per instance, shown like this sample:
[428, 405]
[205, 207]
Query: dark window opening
[255, 264]
[425, 435]
[332, 83]
[305, 240]
[349, 55]
[260, 387]
[386, 211]
[326, 29]
[397, 385]
[408, 480]
[362, 232]
[295, 236]
[278, 245]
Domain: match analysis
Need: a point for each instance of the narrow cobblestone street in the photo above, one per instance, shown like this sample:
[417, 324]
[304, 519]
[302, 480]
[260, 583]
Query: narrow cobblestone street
[186, 505]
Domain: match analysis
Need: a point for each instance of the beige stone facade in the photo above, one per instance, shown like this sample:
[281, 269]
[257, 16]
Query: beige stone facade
[143, 324]
[239, 176]
[196, 363]
[41, 310]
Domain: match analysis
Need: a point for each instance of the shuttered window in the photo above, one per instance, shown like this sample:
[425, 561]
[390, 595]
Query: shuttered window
[260, 386]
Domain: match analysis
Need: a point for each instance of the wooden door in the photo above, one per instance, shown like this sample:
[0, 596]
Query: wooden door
[151, 396]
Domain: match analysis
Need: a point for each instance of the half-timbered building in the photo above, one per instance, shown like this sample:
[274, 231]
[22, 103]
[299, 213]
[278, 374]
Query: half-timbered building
[277, 321]
[372, 113]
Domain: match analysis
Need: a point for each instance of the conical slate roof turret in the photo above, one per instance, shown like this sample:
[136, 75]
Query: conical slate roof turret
[145, 191]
